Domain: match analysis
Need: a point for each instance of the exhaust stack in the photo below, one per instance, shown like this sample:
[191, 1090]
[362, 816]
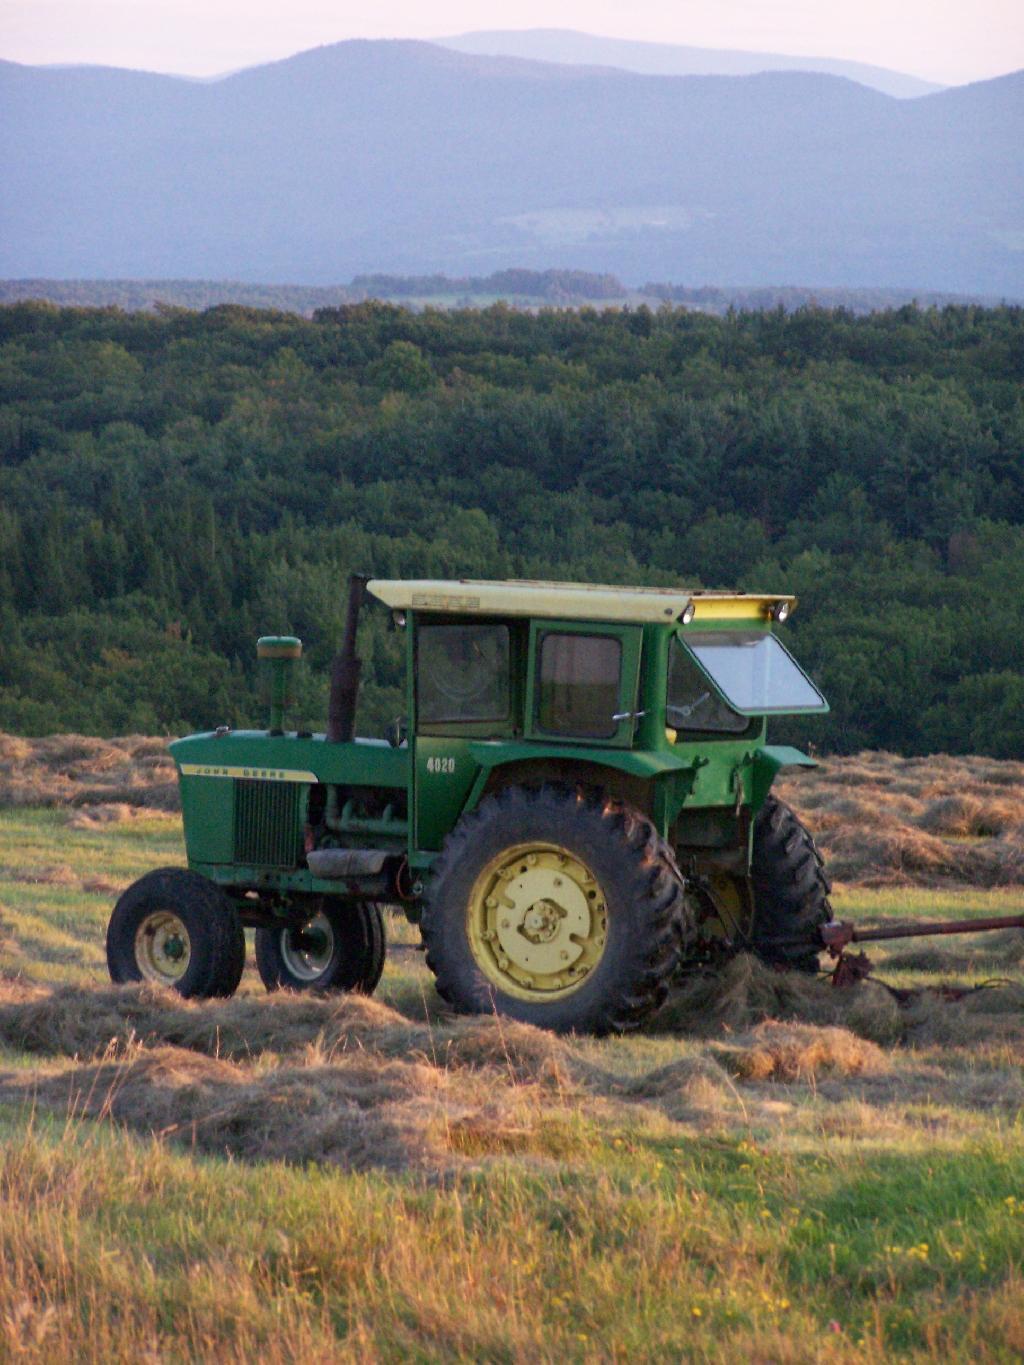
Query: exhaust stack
[345, 670]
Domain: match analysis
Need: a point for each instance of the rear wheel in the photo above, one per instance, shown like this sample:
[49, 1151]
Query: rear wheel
[560, 909]
[789, 885]
[178, 929]
[339, 947]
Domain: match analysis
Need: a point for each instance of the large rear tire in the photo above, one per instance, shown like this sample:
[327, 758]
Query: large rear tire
[558, 908]
[790, 887]
[340, 947]
[178, 929]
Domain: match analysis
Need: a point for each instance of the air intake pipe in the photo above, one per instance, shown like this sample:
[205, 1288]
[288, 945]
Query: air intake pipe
[345, 670]
[278, 659]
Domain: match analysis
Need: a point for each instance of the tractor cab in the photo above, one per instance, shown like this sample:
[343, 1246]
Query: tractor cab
[641, 691]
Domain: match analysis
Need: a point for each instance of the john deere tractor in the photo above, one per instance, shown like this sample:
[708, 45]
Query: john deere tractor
[575, 807]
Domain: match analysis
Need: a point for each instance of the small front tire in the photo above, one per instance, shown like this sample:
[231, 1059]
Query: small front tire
[340, 947]
[176, 928]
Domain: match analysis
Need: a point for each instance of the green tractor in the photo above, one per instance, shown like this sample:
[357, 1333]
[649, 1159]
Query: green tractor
[576, 806]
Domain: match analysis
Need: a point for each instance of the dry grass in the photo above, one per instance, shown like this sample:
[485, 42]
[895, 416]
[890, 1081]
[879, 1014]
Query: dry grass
[775, 1170]
[883, 820]
[99, 775]
[358, 1083]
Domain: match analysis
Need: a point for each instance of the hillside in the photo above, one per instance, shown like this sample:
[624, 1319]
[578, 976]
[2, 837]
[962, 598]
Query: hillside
[174, 485]
[407, 157]
[672, 59]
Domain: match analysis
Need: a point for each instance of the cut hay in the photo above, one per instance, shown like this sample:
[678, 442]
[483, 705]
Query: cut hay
[797, 1052]
[79, 770]
[746, 993]
[363, 1114]
[73, 1021]
[882, 820]
[966, 816]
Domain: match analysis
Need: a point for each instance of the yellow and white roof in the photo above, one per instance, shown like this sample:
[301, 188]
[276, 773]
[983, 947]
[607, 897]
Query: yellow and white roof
[570, 601]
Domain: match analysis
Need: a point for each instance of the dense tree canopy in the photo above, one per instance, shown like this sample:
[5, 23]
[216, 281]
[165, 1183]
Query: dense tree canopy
[173, 485]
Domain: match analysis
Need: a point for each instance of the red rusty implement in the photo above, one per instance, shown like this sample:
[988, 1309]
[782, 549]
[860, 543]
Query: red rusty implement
[837, 935]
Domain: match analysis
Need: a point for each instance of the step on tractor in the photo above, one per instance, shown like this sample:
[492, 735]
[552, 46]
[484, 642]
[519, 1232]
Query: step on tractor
[575, 807]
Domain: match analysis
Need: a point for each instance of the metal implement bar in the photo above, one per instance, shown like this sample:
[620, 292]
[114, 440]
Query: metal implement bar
[839, 932]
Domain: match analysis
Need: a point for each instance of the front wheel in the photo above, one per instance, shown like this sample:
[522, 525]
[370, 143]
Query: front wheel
[555, 907]
[178, 929]
[340, 946]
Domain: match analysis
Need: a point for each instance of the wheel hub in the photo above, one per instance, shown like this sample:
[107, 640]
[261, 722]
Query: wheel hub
[307, 950]
[541, 922]
[162, 947]
[538, 921]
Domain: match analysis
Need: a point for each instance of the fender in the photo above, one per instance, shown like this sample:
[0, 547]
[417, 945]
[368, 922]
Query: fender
[636, 768]
[768, 763]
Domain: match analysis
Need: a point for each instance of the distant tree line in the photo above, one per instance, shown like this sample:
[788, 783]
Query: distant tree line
[173, 485]
[528, 289]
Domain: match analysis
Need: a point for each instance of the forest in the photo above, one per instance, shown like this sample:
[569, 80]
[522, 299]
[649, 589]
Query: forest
[174, 484]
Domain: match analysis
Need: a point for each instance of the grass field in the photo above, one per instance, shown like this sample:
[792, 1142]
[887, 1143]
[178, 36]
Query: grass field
[775, 1171]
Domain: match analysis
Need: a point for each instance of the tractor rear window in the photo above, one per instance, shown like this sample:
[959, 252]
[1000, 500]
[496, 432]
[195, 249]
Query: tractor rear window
[462, 673]
[754, 672]
[693, 704]
[579, 685]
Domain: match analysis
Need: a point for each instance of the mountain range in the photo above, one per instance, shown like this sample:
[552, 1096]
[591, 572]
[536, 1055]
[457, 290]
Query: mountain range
[412, 157]
[670, 59]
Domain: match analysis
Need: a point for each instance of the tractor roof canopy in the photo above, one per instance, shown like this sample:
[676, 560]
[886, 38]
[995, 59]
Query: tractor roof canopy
[572, 601]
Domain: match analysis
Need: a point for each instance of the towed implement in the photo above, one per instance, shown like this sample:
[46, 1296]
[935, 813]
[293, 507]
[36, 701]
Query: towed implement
[575, 806]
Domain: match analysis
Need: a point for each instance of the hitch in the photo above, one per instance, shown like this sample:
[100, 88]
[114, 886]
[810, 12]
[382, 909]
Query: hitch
[837, 935]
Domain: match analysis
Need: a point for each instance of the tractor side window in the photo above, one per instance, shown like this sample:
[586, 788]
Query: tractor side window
[693, 703]
[579, 685]
[462, 673]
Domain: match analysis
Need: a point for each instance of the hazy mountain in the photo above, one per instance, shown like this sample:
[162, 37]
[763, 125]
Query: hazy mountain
[408, 157]
[669, 59]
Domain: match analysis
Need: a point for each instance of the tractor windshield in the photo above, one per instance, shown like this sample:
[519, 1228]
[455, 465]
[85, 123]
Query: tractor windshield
[719, 678]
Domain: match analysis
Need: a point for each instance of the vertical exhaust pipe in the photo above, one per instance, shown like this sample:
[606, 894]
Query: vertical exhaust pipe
[345, 669]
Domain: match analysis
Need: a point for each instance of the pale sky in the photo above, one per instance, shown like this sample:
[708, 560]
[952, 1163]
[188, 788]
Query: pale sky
[951, 41]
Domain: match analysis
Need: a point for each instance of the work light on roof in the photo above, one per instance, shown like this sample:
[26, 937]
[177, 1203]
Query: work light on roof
[780, 611]
[686, 615]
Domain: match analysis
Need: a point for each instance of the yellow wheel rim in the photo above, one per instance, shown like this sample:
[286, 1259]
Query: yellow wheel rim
[162, 948]
[538, 922]
[726, 911]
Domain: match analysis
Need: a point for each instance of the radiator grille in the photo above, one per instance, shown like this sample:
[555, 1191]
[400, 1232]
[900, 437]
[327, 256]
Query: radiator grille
[267, 823]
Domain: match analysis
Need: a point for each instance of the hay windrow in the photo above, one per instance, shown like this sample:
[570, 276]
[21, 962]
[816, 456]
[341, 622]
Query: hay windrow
[942, 821]
[362, 1114]
[746, 992]
[74, 1021]
[79, 770]
[353, 1082]
[795, 1052]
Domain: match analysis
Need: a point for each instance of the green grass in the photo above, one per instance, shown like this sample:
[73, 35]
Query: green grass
[574, 1207]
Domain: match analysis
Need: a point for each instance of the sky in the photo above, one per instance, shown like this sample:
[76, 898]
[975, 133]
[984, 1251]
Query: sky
[949, 41]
